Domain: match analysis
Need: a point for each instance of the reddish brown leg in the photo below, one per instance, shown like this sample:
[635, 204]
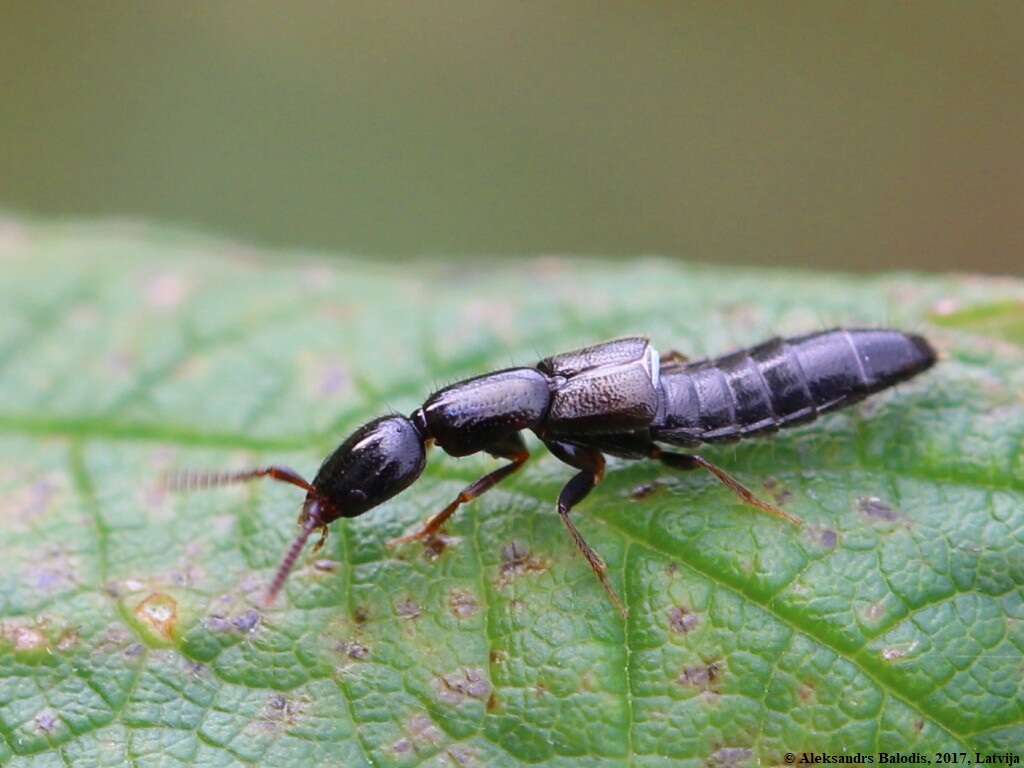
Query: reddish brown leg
[673, 359]
[514, 448]
[687, 462]
[192, 481]
[591, 465]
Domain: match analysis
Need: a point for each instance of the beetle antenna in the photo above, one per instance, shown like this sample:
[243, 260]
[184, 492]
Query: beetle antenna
[310, 522]
[195, 481]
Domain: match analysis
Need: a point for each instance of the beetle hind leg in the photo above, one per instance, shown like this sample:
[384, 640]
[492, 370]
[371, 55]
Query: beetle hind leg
[673, 360]
[685, 461]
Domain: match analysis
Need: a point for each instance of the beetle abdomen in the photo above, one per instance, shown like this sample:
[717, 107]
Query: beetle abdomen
[783, 382]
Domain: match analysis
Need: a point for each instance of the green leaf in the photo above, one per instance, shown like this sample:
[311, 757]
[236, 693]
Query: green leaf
[131, 627]
[1001, 319]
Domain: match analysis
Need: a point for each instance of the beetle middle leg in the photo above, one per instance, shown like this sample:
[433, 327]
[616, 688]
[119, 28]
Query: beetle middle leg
[590, 462]
[512, 448]
[687, 461]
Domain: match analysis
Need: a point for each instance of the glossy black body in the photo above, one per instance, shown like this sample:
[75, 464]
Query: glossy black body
[618, 398]
[471, 415]
[782, 382]
[379, 460]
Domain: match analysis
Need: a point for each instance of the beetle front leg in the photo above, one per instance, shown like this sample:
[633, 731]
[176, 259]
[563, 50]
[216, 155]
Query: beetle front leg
[513, 448]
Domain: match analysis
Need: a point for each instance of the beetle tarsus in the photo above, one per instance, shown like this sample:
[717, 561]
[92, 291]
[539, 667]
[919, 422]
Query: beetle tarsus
[685, 462]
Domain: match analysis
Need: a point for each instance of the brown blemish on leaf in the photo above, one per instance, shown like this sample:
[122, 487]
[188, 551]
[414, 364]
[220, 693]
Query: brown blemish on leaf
[779, 493]
[682, 621]
[516, 560]
[454, 687]
[115, 638]
[462, 603]
[280, 711]
[436, 545]
[587, 681]
[408, 609]
[52, 572]
[247, 622]
[28, 502]
[498, 656]
[895, 654]
[645, 490]
[158, 614]
[806, 691]
[918, 725]
[134, 651]
[875, 612]
[492, 702]
[729, 757]
[353, 649]
[703, 676]
[825, 536]
[24, 639]
[68, 640]
[46, 722]
[423, 731]
[462, 755]
[124, 587]
[28, 639]
[874, 507]
[217, 623]
[361, 614]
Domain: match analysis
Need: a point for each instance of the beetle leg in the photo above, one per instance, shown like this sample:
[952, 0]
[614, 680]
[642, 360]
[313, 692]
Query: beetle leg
[673, 359]
[590, 462]
[513, 448]
[685, 461]
[322, 540]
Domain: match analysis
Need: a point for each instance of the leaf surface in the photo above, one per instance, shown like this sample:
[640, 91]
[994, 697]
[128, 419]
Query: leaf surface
[131, 628]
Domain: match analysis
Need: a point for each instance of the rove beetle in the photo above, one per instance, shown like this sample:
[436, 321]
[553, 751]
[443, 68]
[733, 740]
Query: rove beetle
[619, 398]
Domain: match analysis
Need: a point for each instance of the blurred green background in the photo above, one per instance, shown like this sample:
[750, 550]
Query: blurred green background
[863, 135]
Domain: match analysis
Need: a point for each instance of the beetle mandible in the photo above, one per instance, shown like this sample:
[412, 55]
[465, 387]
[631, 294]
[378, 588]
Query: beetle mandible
[619, 398]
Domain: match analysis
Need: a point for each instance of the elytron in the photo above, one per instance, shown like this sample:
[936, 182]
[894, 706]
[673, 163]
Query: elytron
[619, 398]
